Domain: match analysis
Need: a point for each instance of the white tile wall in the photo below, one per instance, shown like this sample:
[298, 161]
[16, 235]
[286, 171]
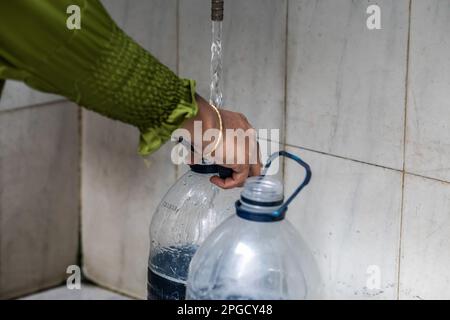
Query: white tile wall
[151, 23]
[120, 193]
[350, 216]
[428, 117]
[345, 83]
[16, 95]
[425, 259]
[39, 197]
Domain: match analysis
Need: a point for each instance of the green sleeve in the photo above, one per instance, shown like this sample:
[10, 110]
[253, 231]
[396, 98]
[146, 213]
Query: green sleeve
[98, 66]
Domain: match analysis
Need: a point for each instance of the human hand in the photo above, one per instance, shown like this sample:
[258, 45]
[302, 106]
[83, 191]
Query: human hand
[237, 148]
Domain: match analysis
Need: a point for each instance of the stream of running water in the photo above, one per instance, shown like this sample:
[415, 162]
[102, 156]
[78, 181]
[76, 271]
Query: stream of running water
[216, 96]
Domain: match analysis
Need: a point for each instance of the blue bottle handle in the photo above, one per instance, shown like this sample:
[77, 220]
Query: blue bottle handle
[297, 159]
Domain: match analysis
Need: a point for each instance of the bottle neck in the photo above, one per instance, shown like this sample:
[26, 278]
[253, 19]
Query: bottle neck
[258, 213]
[253, 206]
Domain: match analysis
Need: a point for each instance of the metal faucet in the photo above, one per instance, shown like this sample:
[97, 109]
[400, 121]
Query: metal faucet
[216, 10]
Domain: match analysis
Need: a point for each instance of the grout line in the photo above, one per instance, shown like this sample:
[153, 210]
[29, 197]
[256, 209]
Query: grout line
[286, 56]
[177, 36]
[345, 158]
[333, 155]
[2, 294]
[80, 199]
[404, 152]
[426, 177]
[42, 104]
[360, 161]
[177, 62]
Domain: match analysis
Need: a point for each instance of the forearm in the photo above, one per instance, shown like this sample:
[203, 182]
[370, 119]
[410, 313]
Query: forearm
[98, 66]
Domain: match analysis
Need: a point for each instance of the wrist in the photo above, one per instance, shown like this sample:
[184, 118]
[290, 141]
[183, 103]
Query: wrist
[206, 113]
[207, 116]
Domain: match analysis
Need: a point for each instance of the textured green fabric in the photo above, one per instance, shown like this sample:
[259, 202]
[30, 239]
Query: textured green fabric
[99, 66]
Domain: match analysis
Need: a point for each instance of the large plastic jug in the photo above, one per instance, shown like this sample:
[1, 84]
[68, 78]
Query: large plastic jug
[187, 214]
[256, 253]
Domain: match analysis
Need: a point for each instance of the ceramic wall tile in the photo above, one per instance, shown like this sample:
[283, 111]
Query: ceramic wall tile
[428, 114]
[425, 258]
[39, 197]
[350, 217]
[17, 95]
[346, 83]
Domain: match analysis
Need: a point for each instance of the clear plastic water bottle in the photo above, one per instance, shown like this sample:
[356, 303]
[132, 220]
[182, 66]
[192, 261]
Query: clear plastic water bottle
[187, 214]
[256, 253]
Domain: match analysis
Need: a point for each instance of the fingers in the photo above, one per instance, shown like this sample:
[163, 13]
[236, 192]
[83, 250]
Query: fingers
[240, 174]
[239, 151]
[255, 170]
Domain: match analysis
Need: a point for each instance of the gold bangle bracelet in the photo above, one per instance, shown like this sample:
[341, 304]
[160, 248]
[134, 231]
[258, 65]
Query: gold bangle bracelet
[216, 144]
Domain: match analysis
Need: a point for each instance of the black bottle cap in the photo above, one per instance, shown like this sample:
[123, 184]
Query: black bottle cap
[223, 172]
